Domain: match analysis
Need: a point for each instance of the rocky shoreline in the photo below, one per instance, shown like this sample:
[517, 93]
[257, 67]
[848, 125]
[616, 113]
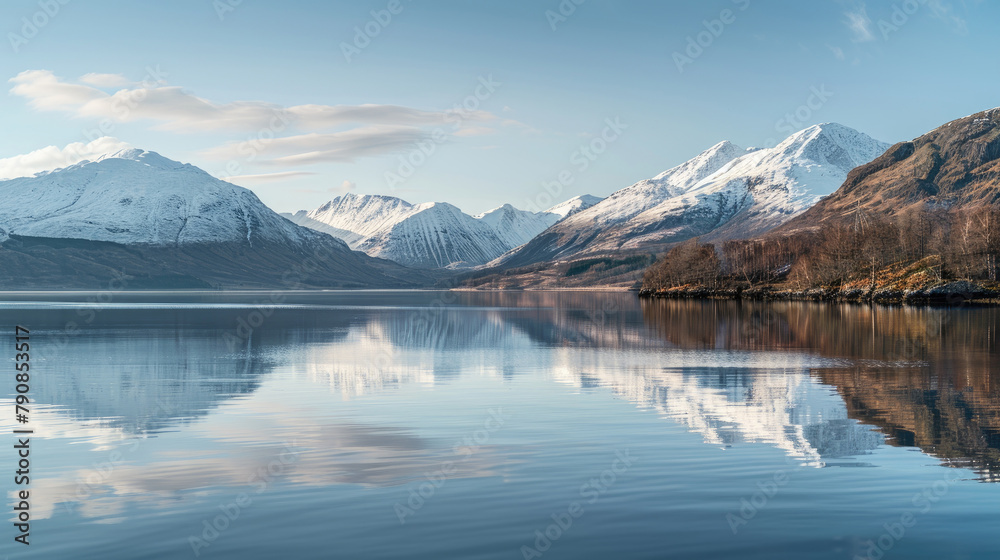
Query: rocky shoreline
[951, 293]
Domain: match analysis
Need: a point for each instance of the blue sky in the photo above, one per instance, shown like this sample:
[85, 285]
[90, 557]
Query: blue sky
[490, 102]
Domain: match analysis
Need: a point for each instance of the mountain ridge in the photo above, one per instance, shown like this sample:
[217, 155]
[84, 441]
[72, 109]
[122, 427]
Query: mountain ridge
[166, 224]
[957, 163]
[723, 192]
[430, 234]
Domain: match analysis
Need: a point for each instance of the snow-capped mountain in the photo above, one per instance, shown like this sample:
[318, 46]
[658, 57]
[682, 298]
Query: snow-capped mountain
[430, 234]
[517, 227]
[723, 193]
[154, 222]
[435, 235]
[356, 217]
[138, 197]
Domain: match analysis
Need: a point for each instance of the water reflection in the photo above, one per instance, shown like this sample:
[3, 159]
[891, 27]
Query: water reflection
[926, 377]
[823, 383]
[906, 363]
[148, 419]
[786, 409]
[303, 452]
[145, 382]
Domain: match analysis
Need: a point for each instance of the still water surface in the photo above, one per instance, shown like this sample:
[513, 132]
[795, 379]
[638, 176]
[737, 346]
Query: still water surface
[370, 425]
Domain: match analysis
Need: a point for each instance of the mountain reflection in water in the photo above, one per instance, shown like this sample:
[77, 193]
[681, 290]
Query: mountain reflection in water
[925, 377]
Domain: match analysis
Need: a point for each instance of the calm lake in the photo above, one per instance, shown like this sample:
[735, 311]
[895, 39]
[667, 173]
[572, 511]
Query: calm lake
[441, 425]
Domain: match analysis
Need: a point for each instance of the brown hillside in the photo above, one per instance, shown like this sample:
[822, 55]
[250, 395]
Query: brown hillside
[954, 165]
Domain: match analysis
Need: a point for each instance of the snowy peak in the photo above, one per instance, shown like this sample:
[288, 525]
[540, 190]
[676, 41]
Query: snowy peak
[134, 154]
[517, 227]
[439, 208]
[434, 235]
[361, 215]
[359, 201]
[498, 211]
[431, 234]
[682, 177]
[363, 203]
[574, 205]
[830, 144]
[151, 159]
[631, 201]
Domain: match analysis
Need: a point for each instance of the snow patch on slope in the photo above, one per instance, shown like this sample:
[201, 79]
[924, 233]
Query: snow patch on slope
[574, 205]
[631, 201]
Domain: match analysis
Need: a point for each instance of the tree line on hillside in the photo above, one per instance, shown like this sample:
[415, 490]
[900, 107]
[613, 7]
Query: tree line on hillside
[952, 244]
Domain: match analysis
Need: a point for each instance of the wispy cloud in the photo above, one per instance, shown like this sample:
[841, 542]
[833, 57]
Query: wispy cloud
[296, 135]
[53, 157]
[180, 111]
[304, 149]
[105, 80]
[859, 24]
[264, 178]
[324, 116]
[838, 52]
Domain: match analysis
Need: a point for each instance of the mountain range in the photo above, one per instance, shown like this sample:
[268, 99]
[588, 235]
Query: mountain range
[722, 193]
[135, 214]
[431, 234]
[136, 218]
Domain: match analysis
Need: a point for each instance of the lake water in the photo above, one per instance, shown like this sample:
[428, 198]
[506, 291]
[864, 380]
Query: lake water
[438, 425]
